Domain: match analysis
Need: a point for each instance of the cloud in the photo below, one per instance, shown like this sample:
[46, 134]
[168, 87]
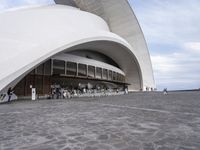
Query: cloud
[168, 21]
[193, 47]
[179, 70]
[172, 32]
[6, 4]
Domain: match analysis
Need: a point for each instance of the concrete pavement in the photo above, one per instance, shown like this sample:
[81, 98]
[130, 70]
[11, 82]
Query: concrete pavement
[138, 121]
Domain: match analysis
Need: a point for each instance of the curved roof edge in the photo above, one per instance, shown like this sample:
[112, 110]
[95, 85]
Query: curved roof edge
[29, 43]
[26, 42]
[122, 21]
[143, 37]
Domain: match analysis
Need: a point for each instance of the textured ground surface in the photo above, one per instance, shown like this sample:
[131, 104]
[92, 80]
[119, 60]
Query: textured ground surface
[139, 121]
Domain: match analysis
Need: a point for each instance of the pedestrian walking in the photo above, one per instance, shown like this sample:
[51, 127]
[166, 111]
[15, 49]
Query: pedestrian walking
[165, 92]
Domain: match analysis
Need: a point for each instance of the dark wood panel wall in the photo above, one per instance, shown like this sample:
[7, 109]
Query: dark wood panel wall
[42, 83]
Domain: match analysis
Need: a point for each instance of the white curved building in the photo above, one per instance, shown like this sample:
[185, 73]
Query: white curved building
[75, 41]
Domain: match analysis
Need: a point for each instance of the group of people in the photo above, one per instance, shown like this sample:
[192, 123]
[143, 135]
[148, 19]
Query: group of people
[60, 93]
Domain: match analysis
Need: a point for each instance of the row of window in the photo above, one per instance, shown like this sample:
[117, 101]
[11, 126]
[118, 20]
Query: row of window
[57, 67]
[43, 69]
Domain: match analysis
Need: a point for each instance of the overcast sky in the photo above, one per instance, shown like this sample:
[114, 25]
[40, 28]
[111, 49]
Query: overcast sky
[4, 4]
[172, 32]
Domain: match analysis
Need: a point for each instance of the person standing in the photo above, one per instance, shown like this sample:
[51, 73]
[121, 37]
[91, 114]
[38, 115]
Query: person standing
[58, 93]
[64, 93]
[126, 91]
[9, 92]
[165, 92]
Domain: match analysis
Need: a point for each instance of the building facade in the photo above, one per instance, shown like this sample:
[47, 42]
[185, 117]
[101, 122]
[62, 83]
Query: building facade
[74, 44]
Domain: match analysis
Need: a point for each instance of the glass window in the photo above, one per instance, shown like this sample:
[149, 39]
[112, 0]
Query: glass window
[91, 71]
[40, 69]
[123, 78]
[47, 67]
[82, 70]
[110, 75]
[71, 68]
[105, 74]
[58, 67]
[32, 72]
[98, 73]
[118, 77]
[39, 84]
[114, 76]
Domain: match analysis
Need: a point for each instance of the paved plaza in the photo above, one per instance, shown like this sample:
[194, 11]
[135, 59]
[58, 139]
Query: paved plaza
[138, 121]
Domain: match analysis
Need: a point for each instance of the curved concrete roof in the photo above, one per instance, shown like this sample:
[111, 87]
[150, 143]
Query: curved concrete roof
[121, 20]
[30, 36]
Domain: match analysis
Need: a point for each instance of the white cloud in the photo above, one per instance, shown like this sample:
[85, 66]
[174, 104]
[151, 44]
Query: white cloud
[169, 21]
[193, 47]
[38, 1]
[5, 4]
[177, 70]
[172, 32]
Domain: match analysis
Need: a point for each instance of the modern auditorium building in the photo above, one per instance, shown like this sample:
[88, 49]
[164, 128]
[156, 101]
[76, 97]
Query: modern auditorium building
[73, 44]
